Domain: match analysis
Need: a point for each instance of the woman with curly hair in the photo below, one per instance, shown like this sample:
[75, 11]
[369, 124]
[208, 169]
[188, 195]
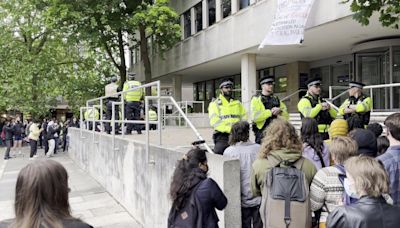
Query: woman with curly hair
[190, 177]
[280, 145]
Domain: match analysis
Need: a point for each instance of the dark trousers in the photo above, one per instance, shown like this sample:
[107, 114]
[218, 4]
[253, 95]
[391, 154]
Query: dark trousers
[33, 144]
[8, 145]
[109, 117]
[324, 135]
[132, 112]
[65, 146]
[57, 141]
[220, 142]
[251, 215]
[259, 135]
[45, 144]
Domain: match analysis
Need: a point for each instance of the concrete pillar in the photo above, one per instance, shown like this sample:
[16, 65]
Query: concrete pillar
[234, 6]
[192, 21]
[218, 10]
[182, 27]
[248, 79]
[293, 83]
[177, 86]
[205, 13]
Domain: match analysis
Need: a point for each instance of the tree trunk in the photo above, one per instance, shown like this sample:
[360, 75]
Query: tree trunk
[144, 54]
[122, 67]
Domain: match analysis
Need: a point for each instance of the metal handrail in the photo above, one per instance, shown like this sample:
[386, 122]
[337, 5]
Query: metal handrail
[146, 121]
[335, 87]
[172, 115]
[292, 94]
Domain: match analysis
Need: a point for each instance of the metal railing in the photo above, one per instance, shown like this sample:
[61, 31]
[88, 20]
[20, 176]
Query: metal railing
[292, 94]
[370, 88]
[92, 104]
[177, 115]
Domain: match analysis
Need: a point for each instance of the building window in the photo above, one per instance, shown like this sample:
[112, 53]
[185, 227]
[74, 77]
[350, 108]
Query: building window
[226, 8]
[210, 90]
[280, 79]
[187, 24]
[211, 12]
[244, 3]
[198, 9]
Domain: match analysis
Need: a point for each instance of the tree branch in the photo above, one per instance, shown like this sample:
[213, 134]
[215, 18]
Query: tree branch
[108, 50]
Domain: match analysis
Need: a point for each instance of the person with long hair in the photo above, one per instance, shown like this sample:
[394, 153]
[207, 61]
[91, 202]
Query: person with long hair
[191, 174]
[41, 198]
[280, 145]
[367, 180]
[314, 148]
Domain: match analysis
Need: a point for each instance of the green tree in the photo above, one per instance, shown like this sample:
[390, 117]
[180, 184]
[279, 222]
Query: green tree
[389, 11]
[112, 26]
[37, 63]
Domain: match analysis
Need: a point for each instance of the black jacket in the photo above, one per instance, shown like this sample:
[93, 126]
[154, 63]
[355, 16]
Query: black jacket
[210, 197]
[368, 212]
[9, 130]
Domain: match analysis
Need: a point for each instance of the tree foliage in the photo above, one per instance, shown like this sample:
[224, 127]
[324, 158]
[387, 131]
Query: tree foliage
[389, 11]
[38, 64]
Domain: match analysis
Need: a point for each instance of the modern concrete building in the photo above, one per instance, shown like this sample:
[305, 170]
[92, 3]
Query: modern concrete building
[220, 39]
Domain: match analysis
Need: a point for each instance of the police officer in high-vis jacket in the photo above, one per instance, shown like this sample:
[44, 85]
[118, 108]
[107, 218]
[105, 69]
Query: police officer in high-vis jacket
[357, 105]
[92, 114]
[110, 90]
[313, 106]
[133, 102]
[223, 113]
[266, 107]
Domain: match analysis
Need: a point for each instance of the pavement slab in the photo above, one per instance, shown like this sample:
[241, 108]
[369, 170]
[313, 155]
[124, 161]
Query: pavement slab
[89, 201]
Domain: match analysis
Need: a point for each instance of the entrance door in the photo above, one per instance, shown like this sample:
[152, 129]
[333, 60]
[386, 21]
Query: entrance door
[373, 69]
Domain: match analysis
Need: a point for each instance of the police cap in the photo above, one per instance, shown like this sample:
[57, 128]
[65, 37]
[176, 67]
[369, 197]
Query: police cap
[267, 79]
[356, 84]
[313, 81]
[131, 76]
[226, 83]
[114, 78]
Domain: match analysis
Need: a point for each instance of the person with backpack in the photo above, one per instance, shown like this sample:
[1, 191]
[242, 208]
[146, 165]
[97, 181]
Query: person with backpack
[367, 180]
[194, 196]
[314, 148]
[282, 176]
[327, 191]
[8, 137]
[244, 150]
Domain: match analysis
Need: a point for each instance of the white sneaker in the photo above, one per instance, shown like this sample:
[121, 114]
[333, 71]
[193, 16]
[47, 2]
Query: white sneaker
[30, 159]
[35, 156]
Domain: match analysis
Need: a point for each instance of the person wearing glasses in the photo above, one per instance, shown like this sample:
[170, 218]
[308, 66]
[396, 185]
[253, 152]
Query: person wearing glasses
[223, 112]
[357, 106]
[313, 106]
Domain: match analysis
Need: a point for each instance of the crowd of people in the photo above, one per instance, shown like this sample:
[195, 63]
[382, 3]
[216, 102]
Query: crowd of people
[348, 182]
[50, 134]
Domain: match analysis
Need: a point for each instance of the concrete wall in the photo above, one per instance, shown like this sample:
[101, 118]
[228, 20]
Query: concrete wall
[142, 188]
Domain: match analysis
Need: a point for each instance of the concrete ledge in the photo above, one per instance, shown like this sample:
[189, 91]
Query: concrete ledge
[143, 188]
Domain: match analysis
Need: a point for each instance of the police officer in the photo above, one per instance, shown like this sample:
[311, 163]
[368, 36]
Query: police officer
[110, 90]
[313, 106]
[92, 114]
[223, 113]
[132, 106]
[266, 107]
[357, 105]
[153, 117]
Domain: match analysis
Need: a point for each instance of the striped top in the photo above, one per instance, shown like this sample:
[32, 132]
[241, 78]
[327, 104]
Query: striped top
[326, 191]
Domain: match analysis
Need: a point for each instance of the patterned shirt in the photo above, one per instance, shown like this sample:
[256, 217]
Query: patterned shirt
[391, 162]
[326, 191]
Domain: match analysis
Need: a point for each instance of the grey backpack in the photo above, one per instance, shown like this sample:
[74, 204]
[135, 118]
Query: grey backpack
[285, 201]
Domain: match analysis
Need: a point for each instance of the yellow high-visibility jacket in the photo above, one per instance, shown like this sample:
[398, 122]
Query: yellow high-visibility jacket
[92, 114]
[310, 107]
[135, 95]
[362, 106]
[153, 115]
[260, 114]
[223, 114]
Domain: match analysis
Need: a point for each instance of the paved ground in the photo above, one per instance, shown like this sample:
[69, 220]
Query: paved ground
[89, 200]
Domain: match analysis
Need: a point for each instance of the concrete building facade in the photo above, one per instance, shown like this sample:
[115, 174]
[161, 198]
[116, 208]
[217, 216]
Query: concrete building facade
[220, 39]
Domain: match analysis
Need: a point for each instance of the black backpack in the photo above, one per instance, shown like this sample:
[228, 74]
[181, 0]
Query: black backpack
[189, 216]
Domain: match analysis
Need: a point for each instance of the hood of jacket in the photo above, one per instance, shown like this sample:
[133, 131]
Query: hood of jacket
[290, 155]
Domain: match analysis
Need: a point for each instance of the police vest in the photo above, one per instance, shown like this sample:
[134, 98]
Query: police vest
[323, 116]
[153, 115]
[364, 116]
[270, 102]
[134, 95]
[223, 114]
